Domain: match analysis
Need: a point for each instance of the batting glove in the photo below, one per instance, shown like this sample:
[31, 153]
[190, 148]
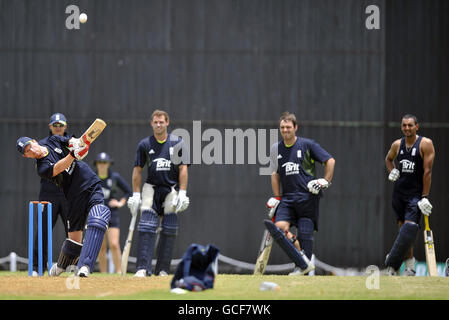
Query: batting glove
[316, 185]
[425, 206]
[272, 204]
[74, 144]
[183, 201]
[81, 152]
[394, 175]
[134, 203]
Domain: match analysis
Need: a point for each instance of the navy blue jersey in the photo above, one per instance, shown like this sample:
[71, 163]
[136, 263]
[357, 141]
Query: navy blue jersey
[47, 186]
[162, 159]
[75, 179]
[111, 185]
[411, 168]
[296, 164]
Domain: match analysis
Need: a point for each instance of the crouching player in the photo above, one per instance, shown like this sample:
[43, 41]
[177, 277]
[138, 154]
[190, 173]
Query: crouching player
[292, 161]
[59, 159]
[162, 196]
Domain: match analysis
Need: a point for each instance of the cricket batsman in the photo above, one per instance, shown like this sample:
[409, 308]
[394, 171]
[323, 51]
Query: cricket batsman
[51, 192]
[412, 179]
[59, 159]
[163, 195]
[292, 161]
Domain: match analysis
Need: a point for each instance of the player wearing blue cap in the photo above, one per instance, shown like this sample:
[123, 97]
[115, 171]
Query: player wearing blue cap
[51, 192]
[164, 194]
[297, 191]
[111, 182]
[58, 160]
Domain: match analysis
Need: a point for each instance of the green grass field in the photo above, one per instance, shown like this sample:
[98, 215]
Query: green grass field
[18, 286]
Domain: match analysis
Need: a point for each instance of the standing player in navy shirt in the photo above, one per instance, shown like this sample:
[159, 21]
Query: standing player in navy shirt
[296, 192]
[111, 182]
[163, 195]
[51, 192]
[59, 160]
[415, 155]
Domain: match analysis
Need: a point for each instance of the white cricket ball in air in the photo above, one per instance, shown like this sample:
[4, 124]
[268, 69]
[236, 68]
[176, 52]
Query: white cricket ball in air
[83, 18]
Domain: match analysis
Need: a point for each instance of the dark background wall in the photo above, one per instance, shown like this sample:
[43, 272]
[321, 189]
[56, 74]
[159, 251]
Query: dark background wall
[417, 72]
[233, 64]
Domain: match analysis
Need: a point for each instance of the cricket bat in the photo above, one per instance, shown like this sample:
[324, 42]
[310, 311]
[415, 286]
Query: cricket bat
[92, 133]
[430, 249]
[265, 246]
[264, 254]
[127, 248]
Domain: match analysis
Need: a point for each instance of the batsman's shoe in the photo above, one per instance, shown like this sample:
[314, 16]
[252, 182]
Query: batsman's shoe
[83, 272]
[390, 272]
[409, 270]
[162, 273]
[142, 273]
[299, 272]
[55, 271]
[34, 273]
[409, 273]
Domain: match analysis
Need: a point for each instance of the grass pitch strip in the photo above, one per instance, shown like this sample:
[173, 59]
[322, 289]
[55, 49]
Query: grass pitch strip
[19, 286]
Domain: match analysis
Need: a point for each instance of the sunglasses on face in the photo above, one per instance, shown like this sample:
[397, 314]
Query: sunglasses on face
[58, 125]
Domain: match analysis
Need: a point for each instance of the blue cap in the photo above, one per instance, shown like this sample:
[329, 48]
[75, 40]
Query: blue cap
[22, 142]
[103, 157]
[58, 117]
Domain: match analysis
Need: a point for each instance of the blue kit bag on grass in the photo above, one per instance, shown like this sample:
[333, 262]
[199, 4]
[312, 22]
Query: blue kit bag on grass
[196, 271]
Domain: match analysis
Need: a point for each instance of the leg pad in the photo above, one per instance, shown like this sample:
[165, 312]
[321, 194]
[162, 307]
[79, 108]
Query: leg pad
[70, 253]
[285, 244]
[166, 242]
[404, 241]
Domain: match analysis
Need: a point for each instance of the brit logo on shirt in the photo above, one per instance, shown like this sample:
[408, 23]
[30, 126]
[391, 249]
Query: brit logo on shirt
[162, 164]
[407, 166]
[291, 168]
